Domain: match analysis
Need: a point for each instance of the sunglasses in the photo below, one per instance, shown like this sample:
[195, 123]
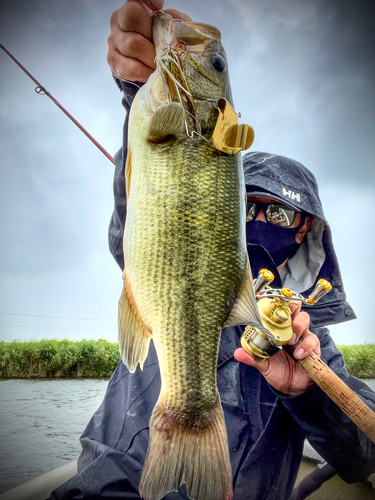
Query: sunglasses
[276, 213]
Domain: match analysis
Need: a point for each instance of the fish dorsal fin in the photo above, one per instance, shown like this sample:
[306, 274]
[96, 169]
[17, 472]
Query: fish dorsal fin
[245, 310]
[133, 335]
[167, 120]
[128, 171]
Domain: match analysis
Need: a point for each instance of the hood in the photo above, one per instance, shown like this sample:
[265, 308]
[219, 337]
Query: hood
[294, 184]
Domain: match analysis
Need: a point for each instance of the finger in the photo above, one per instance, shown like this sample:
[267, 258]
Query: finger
[133, 16]
[176, 14]
[243, 357]
[129, 69]
[134, 46]
[309, 344]
[131, 53]
[300, 325]
[154, 4]
[295, 307]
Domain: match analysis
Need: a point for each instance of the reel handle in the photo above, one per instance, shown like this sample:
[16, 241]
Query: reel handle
[265, 278]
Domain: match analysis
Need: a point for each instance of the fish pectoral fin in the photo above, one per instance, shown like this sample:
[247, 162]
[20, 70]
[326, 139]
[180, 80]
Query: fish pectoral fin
[245, 310]
[128, 171]
[133, 335]
[167, 120]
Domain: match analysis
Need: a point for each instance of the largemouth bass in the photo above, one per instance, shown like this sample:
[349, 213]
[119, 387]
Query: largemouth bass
[187, 271]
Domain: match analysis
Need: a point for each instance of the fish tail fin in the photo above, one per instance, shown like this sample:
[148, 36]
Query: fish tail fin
[181, 452]
[133, 335]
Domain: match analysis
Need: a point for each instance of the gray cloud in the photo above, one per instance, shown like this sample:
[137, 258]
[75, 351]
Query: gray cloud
[309, 83]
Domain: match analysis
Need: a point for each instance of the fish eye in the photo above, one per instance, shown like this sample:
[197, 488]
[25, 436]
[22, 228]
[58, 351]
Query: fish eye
[218, 62]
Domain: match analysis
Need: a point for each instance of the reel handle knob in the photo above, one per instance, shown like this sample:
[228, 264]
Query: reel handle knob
[265, 277]
[321, 288]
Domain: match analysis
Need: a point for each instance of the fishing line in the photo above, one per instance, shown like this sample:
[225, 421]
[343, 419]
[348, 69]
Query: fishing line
[164, 70]
[26, 325]
[171, 75]
[57, 22]
[198, 134]
[173, 56]
[169, 29]
[123, 80]
[55, 317]
[187, 91]
[177, 77]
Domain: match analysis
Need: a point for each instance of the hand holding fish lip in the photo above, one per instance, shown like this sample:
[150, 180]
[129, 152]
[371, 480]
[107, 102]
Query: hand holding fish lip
[280, 371]
[131, 52]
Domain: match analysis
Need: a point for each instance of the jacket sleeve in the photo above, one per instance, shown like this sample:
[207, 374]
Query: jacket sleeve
[330, 432]
[116, 226]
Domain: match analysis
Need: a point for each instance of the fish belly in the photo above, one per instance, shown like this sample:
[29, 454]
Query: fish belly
[185, 258]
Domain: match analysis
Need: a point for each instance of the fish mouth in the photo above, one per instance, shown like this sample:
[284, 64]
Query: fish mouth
[176, 83]
[175, 41]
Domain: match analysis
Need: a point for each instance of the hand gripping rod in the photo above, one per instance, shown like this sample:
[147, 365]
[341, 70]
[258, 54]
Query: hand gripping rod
[276, 317]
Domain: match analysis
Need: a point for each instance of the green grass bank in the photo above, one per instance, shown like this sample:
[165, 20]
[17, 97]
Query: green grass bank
[360, 359]
[58, 358]
[99, 358]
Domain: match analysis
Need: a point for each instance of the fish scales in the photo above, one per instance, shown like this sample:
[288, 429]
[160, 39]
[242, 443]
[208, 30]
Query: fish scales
[186, 263]
[191, 258]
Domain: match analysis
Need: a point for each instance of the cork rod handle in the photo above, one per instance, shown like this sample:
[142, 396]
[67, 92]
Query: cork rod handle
[341, 394]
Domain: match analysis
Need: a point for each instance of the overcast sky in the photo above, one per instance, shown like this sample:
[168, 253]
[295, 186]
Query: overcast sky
[302, 75]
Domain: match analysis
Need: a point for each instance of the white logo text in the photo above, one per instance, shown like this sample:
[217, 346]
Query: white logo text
[291, 194]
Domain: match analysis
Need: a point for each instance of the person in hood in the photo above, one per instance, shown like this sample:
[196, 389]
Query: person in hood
[270, 407]
[299, 250]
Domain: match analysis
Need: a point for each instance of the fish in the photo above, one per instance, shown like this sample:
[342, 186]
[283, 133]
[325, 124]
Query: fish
[187, 272]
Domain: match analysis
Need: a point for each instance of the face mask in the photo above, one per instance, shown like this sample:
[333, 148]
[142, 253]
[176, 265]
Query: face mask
[279, 242]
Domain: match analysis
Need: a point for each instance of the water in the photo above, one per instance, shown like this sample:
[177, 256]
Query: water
[40, 424]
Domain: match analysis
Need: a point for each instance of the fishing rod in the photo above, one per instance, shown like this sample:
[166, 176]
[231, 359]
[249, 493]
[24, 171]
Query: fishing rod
[43, 91]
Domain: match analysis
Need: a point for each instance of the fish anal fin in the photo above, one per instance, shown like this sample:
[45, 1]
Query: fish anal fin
[167, 120]
[245, 310]
[180, 452]
[133, 335]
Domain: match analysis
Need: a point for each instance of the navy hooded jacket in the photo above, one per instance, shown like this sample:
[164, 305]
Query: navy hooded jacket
[266, 429]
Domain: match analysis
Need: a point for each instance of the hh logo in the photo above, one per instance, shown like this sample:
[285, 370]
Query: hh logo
[291, 194]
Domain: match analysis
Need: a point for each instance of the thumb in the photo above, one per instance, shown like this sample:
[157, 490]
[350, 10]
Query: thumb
[242, 356]
[154, 4]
